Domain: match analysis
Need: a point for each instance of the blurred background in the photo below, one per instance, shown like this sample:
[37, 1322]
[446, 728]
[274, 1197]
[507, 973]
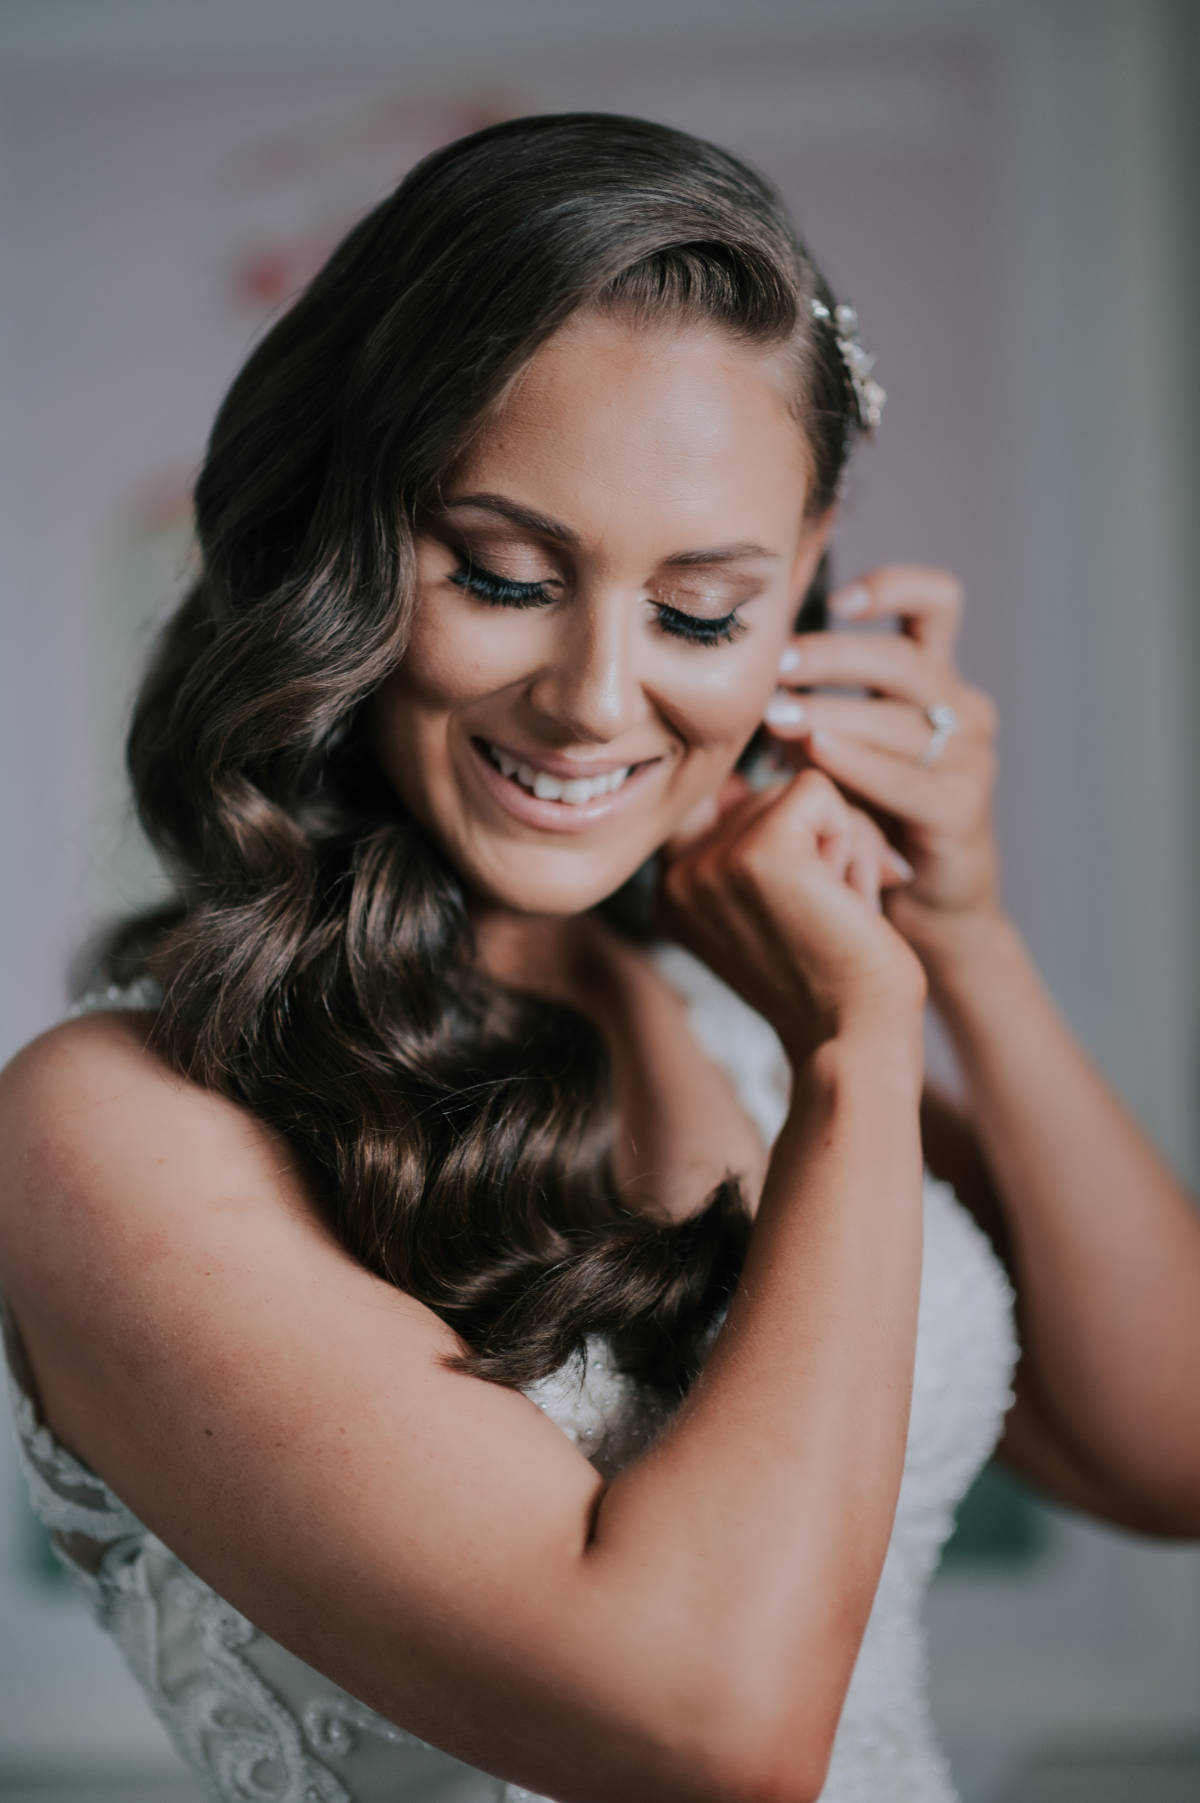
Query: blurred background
[1008, 191]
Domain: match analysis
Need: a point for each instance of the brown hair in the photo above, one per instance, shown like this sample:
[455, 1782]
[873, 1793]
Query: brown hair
[318, 963]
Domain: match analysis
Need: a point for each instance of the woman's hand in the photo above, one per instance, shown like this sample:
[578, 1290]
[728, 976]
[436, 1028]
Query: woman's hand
[778, 891]
[939, 815]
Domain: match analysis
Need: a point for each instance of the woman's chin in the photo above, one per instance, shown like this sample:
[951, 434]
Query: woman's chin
[540, 886]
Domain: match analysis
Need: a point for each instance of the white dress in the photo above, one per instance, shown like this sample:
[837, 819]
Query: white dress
[260, 1726]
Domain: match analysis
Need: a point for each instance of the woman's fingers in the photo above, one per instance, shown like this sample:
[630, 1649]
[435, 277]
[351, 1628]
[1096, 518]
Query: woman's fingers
[873, 745]
[780, 896]
[896, 867]
[883, 662]
[863, 865]
[912, 665]
[810, 804]
[928, 603]
[815, 813]
[849, 843]
[893, 726]
[873, 864]
[934, 798]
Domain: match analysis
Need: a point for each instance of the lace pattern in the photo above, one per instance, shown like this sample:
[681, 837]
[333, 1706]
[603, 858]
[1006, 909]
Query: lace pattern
[257, 1725]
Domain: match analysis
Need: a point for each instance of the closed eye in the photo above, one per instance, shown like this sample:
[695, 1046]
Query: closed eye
[699, 631]
[502, 592]
[490, 587]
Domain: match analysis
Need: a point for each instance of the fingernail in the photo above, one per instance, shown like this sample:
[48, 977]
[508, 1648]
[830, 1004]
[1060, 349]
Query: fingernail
[789, 659]
[784, 710]
[901, 863]
[821, 740]
[849, 603]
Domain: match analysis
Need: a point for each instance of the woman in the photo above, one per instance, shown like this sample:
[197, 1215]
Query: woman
[502, 1018]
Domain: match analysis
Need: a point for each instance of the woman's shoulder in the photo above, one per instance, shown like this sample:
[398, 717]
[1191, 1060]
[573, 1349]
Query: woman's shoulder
[148, 1224]
[75, 1083]
[95, 1082]
[94, 1125]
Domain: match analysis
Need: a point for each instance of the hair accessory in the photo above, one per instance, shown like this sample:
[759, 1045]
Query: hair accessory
[944, 721]
[868, 395]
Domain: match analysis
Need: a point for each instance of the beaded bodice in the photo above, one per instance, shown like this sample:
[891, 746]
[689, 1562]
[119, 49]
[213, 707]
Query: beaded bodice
[260, 1726]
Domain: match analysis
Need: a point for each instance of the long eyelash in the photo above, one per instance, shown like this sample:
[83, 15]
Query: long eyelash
[504, 593]
[490, 587]
[699, 632]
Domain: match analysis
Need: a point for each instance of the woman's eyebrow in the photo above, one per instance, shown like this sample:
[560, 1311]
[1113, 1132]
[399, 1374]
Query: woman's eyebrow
[517, 515]
[720, 554]
[531, 521]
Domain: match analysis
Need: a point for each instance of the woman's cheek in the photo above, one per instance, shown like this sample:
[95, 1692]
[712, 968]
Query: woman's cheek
[725, 700]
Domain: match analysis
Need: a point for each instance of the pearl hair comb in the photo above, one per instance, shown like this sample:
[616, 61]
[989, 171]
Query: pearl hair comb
[868, 395]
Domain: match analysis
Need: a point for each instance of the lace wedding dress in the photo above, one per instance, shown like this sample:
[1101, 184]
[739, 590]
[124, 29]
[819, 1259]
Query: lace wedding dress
[260, 1726]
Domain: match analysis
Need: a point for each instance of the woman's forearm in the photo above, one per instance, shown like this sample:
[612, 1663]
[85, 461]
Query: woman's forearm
[1104, 1240]
[762, 1516]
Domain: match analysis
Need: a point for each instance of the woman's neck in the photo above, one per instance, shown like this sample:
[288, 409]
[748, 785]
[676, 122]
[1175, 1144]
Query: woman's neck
[564, 956]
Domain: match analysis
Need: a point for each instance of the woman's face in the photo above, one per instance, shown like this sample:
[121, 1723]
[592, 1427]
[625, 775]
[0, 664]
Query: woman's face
[601, 604]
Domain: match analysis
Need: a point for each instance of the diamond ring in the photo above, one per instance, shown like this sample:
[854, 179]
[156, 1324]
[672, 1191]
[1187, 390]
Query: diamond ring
[944, 723]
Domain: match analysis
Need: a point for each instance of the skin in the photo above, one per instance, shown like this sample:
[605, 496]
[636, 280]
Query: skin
[581, 439]
[1101, 1239]
[644, 447]
[686, 1630]
[673, 1632]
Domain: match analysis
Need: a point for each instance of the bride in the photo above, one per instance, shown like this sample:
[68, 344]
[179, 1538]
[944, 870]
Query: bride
[493, 1307]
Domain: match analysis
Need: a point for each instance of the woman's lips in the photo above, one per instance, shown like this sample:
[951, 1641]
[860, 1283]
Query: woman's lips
[556, 816]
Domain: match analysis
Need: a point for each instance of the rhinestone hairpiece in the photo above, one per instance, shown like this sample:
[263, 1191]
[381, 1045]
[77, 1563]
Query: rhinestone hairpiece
[868, 395]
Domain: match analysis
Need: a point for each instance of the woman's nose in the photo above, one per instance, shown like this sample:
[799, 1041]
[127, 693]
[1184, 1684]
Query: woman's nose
[589, 686]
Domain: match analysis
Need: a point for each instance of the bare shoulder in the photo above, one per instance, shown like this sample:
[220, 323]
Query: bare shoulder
[96, 1060]
[282, 1418]
[135, 1206]
[97, 1069]
[287, 1424]
[93, 1122]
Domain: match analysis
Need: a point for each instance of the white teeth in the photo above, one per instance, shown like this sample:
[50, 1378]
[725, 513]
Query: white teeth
[573, 790]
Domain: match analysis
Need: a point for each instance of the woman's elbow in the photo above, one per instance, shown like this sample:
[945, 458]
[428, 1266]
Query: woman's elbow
[789, 1774]
[750, 1755]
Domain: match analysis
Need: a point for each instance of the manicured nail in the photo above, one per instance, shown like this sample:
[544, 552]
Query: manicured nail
[789, 659]
[784, 710]
[849, 603]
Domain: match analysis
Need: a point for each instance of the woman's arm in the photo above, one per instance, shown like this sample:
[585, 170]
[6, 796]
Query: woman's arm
[282, 1419]
[807, 1393]
[1102, 1242]
[1101, 1238]
[1030, 1444]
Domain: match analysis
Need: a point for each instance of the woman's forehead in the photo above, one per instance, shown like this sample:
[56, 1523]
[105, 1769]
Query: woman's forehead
[682, 428]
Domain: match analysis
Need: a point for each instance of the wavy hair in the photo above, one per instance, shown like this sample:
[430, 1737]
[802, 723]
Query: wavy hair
[317, 964]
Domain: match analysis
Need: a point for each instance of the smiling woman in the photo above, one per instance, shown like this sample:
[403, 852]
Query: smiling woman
[647, 653]
[530, 1353]
[505, 528]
